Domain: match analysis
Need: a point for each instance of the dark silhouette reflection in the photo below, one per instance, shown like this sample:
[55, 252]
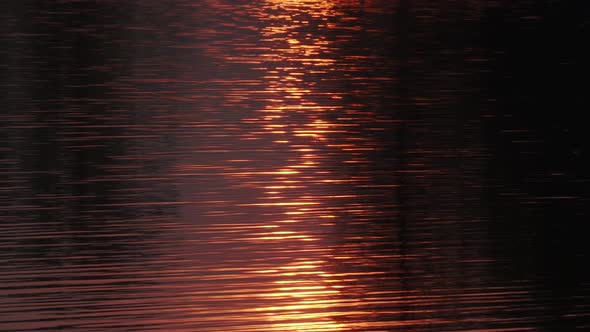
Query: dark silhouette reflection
[85, 200]
[484, 180]
[537, 190]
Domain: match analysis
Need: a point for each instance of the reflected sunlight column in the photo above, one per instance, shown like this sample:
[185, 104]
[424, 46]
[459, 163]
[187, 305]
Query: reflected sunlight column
[305, 297]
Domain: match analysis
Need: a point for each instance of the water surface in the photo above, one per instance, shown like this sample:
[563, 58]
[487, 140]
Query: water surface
[281, 166]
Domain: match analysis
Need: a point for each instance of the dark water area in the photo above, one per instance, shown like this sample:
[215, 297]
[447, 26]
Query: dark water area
[271, 165]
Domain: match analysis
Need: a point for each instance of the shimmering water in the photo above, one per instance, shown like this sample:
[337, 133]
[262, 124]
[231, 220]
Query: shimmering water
[286, 166]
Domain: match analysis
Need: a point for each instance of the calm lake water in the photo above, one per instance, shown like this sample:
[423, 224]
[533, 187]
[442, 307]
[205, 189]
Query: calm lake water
[292, 166]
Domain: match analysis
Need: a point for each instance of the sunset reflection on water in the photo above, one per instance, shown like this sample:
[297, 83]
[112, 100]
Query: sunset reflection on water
[267, 165]
[304, 296]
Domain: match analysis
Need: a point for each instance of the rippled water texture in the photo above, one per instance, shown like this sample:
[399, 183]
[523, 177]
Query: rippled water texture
[279, 166]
